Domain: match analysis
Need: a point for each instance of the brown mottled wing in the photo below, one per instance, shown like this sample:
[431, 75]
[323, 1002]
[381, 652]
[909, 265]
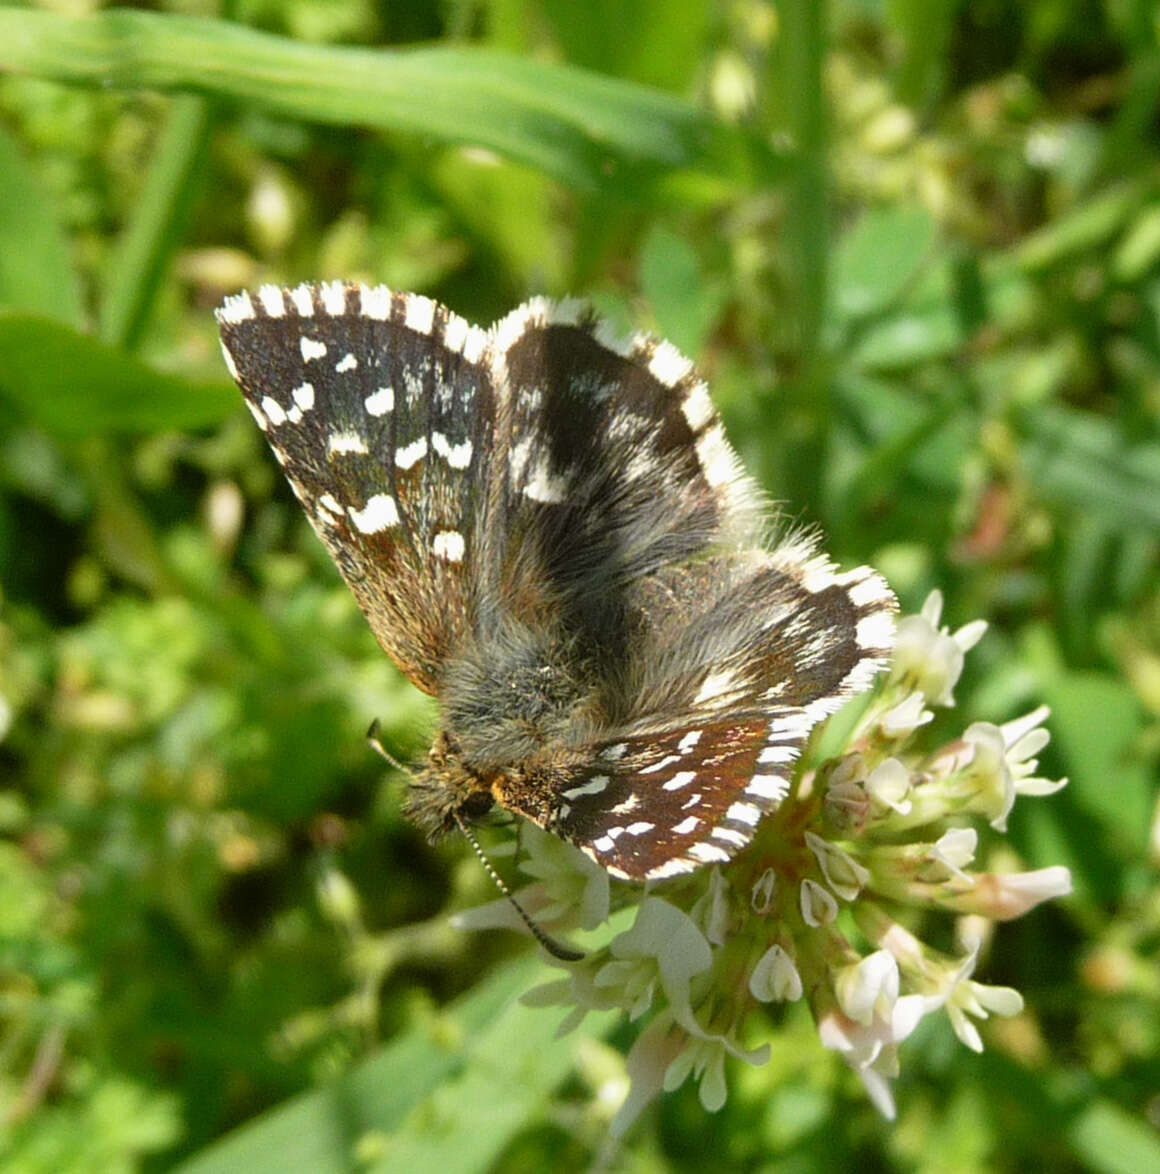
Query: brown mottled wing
[744, 660]
[614, 464]
[380, 408]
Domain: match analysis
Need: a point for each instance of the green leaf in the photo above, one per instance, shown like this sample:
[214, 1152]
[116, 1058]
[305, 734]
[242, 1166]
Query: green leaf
[1095, 723]
[72, 385]
[1087, 226]
[684, 304]
[445, 1097]
[35, 271]
[1080, 460]
[879, 257]
[620, 37]
[589, 131]
[1111, 1141]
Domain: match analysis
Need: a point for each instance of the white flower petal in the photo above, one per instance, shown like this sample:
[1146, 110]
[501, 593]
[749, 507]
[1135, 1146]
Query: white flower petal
[775, 978]
[818, 906]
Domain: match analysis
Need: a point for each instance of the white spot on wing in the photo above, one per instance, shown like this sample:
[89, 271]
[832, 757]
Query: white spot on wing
[304, 396]
[380, 402]
[449, 545]
[344, 442]
[311, 348]
[686, 826]
[741, 812]
[272, 301]
[273, 410]
[668, 760]
[639, 829]
[698, 407]
[869, 590]
[604, 844]
[542, 486]
[376, 302]
[459, 335]
[677, 866]
[614, 752]
[680, 779]
[767, 787]
[333, 297]
[237, 308]
[718, 460]
[782, 754]
[708, 853]
[347, 363]
[411, 454]
[876, 630]
[379, 513]
[669, 365]
[730, 836]
[329, 502]
[231, 366]
[593, 786]
[458, 456]
[689, 741]
[419, 313]
[795, 724]
[303, 302]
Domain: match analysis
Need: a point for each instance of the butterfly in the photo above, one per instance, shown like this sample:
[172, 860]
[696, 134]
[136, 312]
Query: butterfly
[548, 530]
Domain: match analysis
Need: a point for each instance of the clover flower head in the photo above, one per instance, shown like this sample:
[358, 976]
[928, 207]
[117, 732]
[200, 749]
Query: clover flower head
[884, 825]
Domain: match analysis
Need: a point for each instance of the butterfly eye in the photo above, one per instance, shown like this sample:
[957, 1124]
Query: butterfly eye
[476, 805]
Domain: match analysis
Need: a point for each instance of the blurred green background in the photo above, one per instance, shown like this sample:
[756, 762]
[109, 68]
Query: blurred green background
[915, 247]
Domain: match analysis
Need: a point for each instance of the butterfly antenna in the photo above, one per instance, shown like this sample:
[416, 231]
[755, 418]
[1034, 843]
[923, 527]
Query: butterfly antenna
[376, 745]
[564, 953]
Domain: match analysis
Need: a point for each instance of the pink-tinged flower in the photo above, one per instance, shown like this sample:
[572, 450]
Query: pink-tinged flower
[646, 1064]
[1005, 896]
[871, 1049]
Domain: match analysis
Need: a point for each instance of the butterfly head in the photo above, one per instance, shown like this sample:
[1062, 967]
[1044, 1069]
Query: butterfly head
[445, 793]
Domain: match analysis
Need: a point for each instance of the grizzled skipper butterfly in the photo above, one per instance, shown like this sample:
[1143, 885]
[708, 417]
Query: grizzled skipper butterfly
[548, 530]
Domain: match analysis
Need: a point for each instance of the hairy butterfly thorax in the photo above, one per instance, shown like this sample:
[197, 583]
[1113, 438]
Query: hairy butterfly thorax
[548, 530]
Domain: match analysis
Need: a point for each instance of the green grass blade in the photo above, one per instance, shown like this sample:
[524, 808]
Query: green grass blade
[72, 385]
[422, 1104]
[139, 263]
[591, 132]
[35, 270]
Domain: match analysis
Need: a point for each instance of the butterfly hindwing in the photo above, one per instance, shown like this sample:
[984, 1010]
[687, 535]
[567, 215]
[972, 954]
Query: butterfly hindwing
[732, 707]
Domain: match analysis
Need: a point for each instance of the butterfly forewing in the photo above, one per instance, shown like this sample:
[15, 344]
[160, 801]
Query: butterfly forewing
[380, 408]
[616, 463]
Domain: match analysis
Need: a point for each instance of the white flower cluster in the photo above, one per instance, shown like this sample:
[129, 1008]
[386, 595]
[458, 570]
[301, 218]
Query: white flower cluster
[814, 908]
